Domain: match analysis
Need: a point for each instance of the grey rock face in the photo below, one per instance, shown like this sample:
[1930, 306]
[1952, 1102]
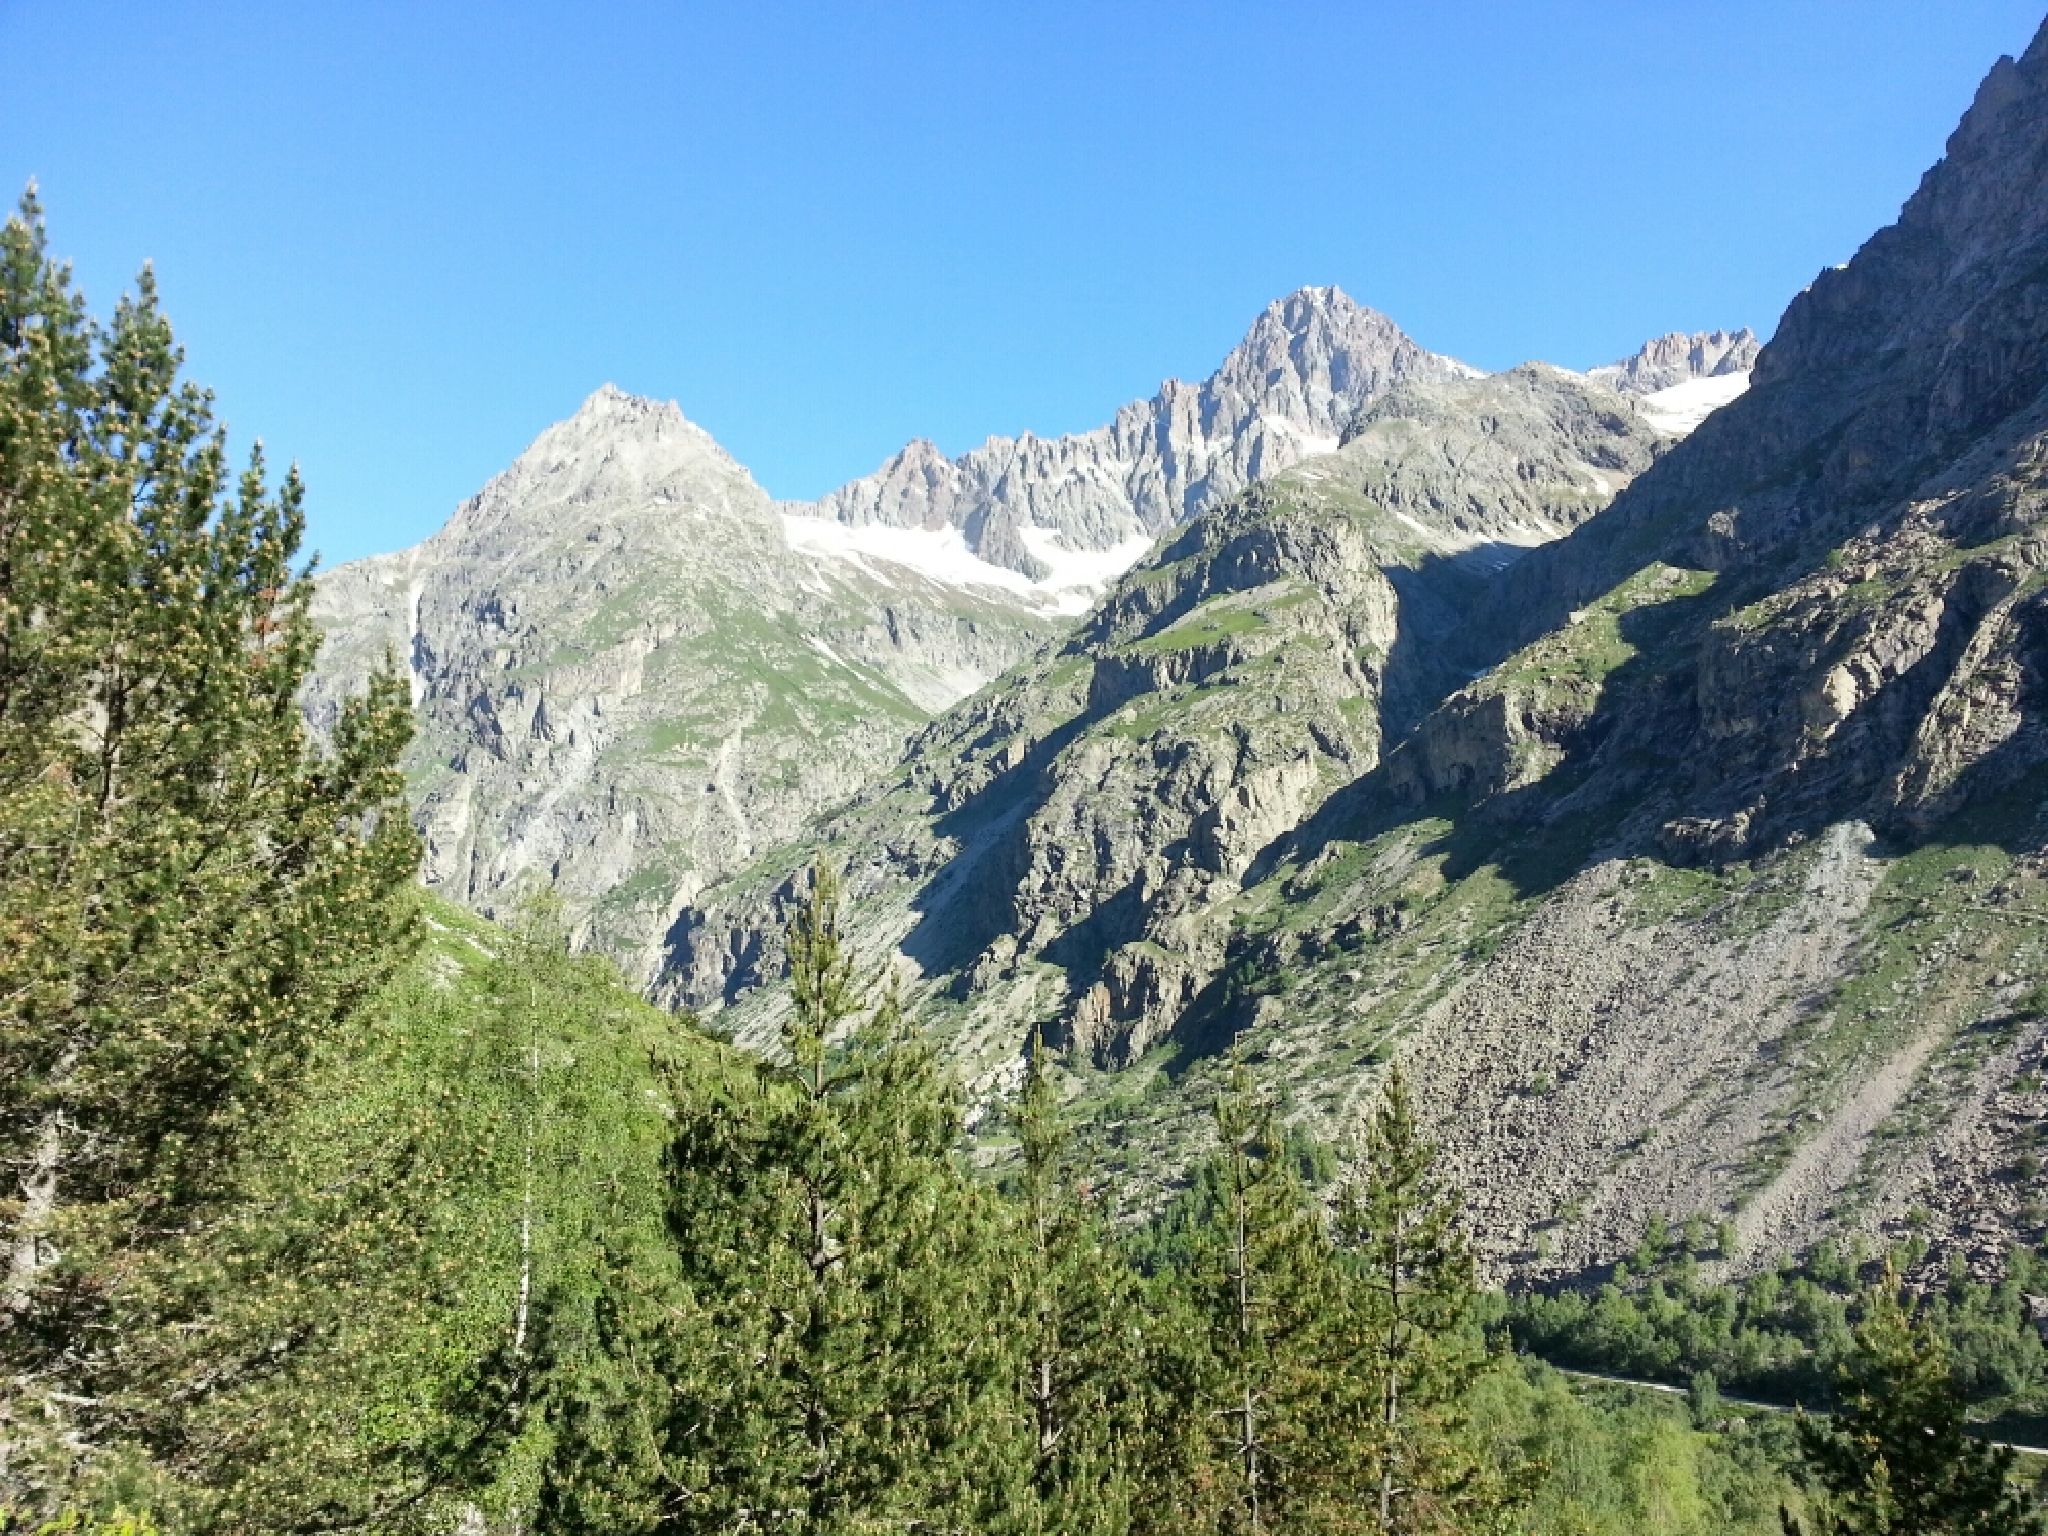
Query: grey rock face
[628, 680]
[1284, 393]
[1750, 854]
[1678, 358]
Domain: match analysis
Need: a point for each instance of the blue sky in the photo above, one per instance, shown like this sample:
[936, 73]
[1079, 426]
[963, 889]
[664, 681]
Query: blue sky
[400, 239]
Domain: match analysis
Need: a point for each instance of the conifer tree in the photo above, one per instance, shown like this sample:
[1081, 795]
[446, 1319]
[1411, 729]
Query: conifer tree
[1896, 1458]
[1268, 1287]
[190, 895]
[1417, 1347]
[850, 1272]
[1083, 1368]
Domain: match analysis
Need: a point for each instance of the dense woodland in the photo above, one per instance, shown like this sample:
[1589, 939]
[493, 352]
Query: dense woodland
[328, 1208]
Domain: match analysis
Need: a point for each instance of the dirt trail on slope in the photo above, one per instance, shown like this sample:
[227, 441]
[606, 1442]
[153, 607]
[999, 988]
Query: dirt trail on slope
[1794, 1202]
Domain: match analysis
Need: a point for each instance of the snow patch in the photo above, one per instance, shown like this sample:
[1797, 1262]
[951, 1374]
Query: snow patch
[938, 553]
[1077, 577]
[1682, 407]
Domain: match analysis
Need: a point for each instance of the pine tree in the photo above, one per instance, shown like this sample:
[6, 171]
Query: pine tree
[1896, 1459]
[851, 1274]
[1266, 1282]
[1083, 1368]
[190, 895]
[1419, 1349]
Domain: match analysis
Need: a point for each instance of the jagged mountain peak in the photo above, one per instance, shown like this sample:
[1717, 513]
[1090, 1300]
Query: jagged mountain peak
[1678, 357]
[1307, 363]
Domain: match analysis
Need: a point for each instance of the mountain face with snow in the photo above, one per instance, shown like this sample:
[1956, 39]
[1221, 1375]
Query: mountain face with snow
[1064, 848]
[630, 677]
[1284, 393]
[635, 673]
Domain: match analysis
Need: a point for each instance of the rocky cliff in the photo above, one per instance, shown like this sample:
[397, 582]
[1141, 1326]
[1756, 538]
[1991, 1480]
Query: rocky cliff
[634, 672]
[1282, 395]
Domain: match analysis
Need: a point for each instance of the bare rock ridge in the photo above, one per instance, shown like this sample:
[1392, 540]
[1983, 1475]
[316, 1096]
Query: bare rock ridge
[1690, 852]
[1283, 394]
[1678, 358]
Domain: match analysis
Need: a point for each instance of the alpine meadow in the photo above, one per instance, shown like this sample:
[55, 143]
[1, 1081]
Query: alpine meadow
[1372, 945]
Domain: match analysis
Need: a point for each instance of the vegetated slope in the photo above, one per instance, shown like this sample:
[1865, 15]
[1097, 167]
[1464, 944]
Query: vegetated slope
[1720, 887]
[1063, 849]
[422, 1261]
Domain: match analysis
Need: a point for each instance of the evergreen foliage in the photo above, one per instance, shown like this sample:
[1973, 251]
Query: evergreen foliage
[1896, 1460]
[1425, 1354]
[1084, 1363]
[1266, 1284]
[851, 1276]
[191, 897]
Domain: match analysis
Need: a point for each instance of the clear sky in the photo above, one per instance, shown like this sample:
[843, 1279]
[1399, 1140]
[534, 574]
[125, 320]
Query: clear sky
[400, 239]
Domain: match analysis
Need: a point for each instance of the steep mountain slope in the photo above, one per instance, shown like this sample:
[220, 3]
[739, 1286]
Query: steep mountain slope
[1723, 891]
[1700, 868]
[631, 671]
[1282, 395]
[1059, 847]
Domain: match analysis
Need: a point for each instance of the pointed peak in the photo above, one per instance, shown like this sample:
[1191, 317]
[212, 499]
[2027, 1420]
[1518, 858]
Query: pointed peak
[919, 450]
[1325, 309]
[609, 399]
[1324, 301]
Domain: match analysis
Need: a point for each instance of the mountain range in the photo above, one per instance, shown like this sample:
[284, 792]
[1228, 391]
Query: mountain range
[1648, 760]
[634, 671]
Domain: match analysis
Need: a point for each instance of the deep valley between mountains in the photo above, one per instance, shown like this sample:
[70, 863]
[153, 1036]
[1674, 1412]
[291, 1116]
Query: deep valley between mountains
[1650, 759]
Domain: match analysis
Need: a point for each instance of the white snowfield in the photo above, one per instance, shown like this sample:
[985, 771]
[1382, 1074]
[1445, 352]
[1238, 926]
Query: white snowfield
[1078, 576]
[1682, 407]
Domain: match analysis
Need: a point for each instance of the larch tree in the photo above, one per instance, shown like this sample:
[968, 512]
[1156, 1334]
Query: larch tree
[1416, 1349]
[1083, 1365]
[1267, 1284]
